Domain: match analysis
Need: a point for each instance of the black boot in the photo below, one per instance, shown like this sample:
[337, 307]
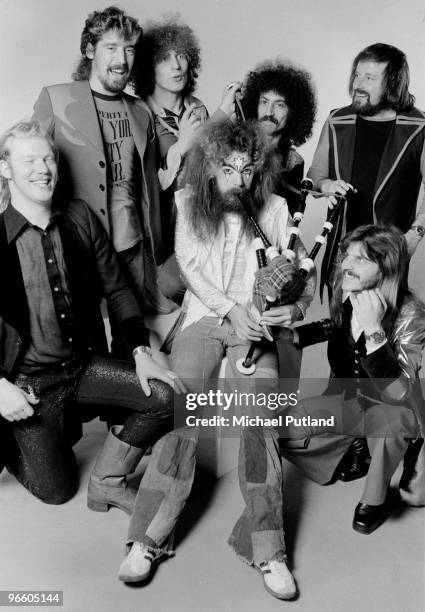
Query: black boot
[355, 462]
[412, 482]
[367, 518]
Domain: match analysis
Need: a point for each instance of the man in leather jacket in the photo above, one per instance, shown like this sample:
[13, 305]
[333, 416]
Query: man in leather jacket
[375, 335]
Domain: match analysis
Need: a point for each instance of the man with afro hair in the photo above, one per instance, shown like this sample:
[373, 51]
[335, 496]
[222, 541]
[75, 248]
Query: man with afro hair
[283, 100]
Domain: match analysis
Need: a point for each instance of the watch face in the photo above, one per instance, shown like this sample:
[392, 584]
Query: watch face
[376, 337]
[419, 229]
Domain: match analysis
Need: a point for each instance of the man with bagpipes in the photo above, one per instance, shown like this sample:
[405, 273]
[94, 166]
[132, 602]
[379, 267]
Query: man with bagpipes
[281, 97]
[229, 173]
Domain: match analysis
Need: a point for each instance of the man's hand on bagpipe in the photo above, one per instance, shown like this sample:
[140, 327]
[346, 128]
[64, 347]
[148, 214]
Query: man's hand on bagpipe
[332, 189]
[277, 288]
[231, 101]
[244, 324]
[278, 281]
[281, 316]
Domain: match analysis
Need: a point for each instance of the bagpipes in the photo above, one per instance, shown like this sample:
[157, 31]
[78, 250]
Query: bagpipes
[278, 282]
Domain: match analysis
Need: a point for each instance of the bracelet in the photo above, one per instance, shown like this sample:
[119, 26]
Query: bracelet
[146, 350]
[328, 327]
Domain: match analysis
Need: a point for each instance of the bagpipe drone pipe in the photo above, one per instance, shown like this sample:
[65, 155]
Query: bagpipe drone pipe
[279, 282]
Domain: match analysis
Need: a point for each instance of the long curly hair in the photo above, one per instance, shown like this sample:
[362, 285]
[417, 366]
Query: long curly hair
[386, 246]
[96, 25]
[161, 37]
[396, 75]
[296, 86]
[216, 142]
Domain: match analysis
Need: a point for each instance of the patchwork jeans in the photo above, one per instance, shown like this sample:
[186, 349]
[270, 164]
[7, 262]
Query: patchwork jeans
[258, 535]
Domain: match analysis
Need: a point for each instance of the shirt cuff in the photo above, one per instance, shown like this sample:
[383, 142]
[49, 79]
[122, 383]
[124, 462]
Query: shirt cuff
[135, 332]
[372, 346]
[381, 363]
[224, 310]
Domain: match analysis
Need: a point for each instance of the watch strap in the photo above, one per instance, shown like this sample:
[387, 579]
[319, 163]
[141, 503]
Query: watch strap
[146, 350]
[419, 230]
[376, 337]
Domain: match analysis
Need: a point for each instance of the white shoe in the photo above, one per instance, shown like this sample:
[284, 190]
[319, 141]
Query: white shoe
[278, 580]
[137, 565]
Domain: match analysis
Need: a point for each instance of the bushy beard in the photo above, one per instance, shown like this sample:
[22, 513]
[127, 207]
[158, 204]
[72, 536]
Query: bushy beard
[115, 83]
[229, 201]
[368, 109]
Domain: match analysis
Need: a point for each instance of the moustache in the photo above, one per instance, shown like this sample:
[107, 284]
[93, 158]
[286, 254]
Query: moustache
[235, 196]
[236, 192]
[362, 92]
[351, 274]
[269, 118]
[119, 67]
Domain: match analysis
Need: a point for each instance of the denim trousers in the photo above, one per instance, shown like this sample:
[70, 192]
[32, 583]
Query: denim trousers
[39, 449]
[258, 535]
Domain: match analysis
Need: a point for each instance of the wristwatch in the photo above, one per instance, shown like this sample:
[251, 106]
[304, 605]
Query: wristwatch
[419, 229]
[146, 350]
[376, 337]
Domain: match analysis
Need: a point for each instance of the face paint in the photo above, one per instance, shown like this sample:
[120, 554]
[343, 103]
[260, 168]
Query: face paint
[237, 161]
[235, 174]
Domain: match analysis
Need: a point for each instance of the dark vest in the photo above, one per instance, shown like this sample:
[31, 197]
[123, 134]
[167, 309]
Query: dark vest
[398, 180]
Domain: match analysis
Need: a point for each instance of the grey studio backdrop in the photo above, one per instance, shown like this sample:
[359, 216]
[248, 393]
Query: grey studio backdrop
[39, 45]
